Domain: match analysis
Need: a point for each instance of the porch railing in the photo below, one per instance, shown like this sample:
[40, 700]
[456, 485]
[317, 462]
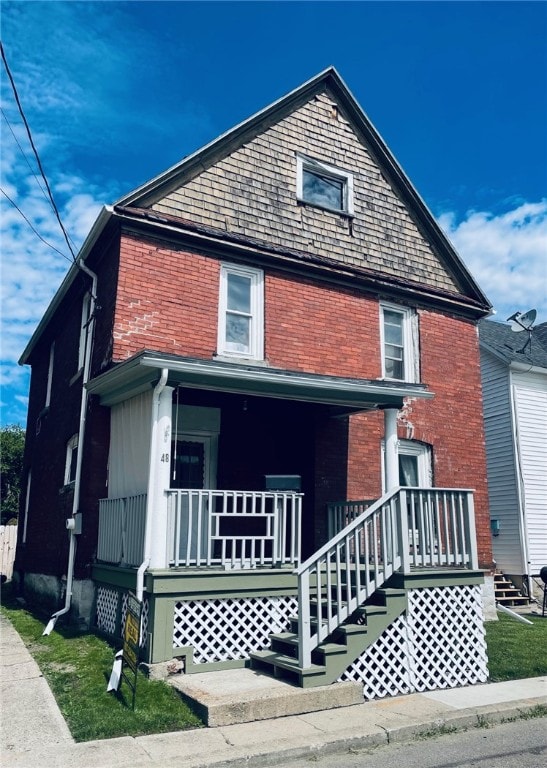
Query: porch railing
[121, 530]
[234, 529]
[406, 527]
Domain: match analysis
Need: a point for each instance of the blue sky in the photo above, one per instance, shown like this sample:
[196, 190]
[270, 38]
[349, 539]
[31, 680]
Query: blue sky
[116, 92]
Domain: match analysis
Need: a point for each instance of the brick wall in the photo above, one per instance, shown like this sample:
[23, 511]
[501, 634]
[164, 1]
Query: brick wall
[167, 300]
[452, 423]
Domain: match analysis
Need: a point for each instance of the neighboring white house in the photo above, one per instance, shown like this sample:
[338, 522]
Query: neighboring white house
[514, 380]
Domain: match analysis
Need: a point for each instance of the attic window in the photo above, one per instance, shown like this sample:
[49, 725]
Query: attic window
[324, 186]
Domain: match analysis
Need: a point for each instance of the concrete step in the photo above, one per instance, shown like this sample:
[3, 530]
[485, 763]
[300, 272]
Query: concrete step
[235, 696]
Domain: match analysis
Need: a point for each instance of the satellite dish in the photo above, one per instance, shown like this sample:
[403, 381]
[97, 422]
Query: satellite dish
[522, 321]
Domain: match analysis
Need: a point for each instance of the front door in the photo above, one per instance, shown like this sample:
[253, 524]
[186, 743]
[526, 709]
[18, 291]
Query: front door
[192, 469]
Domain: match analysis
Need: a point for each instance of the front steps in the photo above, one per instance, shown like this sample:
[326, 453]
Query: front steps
[233, 696]
[506, 593]
[341, 648]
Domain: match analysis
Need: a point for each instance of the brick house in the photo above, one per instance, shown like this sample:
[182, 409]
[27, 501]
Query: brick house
[256, 403]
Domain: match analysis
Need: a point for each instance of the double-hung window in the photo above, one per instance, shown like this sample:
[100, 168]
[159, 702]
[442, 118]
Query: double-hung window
[324, 185]
[84, 324]
[241, 312]
[399, 343]
[71, 459]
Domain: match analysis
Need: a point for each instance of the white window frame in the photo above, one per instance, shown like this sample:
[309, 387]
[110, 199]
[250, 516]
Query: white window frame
[84, 323]
[423, 453]
[27, 504]
[71, 447]
[256, 313]
[410, 342]
[305, 163]
[50, 374]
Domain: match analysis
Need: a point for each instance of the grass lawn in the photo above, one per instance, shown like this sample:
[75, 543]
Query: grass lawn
[516, 650]
[77, 667]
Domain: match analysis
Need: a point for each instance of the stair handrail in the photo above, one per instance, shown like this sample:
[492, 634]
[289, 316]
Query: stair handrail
[397, 544]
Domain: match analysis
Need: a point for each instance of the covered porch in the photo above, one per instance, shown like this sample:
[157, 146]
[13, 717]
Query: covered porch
[220, 464]
[222, 515]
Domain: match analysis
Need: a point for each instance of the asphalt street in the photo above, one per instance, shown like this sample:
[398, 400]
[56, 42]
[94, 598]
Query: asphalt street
[518, 744]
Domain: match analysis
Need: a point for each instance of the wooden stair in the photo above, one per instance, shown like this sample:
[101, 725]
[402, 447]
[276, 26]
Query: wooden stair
[506, 593]
[341, 647]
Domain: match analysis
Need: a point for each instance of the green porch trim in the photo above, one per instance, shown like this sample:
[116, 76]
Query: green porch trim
[428, 578]
[186, 652]
[204, 584]
[115, 576]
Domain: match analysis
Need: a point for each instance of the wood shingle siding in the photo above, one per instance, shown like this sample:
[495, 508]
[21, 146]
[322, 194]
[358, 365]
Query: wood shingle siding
[252, 192]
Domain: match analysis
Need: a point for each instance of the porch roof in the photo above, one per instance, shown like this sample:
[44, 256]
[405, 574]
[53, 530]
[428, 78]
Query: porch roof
[139, 373]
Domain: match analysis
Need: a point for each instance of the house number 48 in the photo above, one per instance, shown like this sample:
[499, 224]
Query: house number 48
[165, 458]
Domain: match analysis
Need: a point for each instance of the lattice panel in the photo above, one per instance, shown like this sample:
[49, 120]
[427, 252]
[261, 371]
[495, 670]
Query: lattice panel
[222, 630]
[446, 634]
[144, 618]
[107, 609]
[439, 644]
[383, 668]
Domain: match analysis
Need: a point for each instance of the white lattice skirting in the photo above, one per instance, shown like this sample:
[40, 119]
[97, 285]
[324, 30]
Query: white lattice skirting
[227, 629]
[108, 603]
[440, 643]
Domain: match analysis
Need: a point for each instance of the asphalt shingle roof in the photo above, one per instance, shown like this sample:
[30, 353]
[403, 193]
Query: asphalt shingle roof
[510, 345]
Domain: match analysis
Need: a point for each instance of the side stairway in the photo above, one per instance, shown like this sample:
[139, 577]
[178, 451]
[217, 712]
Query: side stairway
[506, 593]
[341, 647]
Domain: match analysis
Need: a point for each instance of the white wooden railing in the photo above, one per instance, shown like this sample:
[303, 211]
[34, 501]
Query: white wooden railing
[406, 527]
[234, 529]
[121, 530]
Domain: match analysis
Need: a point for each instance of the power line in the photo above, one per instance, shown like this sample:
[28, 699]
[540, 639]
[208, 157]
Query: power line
[32, 227]
[55, 209]
[31, 169]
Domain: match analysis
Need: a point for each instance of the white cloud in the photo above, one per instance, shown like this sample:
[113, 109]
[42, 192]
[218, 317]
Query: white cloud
[507, 255]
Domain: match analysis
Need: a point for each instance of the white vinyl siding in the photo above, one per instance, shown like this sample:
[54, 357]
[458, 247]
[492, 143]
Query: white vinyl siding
[530, 399]
[503, 490]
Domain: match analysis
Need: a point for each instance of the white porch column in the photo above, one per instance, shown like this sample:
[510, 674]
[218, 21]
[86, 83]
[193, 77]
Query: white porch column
[390, 438]
[160, 463]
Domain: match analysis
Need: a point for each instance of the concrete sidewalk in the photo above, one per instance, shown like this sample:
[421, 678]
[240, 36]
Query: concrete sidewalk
[34, 734]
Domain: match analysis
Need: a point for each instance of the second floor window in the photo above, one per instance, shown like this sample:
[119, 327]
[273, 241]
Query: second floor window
[84, 324]
[241, 312]
[399, 343]
[50, 374]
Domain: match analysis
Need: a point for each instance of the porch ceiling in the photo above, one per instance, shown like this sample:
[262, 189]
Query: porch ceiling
[142, 371]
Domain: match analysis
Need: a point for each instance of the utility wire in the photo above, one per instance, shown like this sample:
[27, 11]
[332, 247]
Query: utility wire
[43, 191]
[32, 227]
[55, 209]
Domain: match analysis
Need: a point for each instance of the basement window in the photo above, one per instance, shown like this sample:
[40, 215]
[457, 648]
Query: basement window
[324, 186]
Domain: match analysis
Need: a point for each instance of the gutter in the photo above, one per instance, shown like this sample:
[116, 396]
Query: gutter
[73, 523]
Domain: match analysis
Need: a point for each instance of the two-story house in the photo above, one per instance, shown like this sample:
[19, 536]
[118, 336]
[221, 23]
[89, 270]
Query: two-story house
[514, 380]
[256, 404]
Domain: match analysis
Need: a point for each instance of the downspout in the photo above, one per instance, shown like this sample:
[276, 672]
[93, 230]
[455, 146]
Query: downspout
[72, 522]
[150, 499]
